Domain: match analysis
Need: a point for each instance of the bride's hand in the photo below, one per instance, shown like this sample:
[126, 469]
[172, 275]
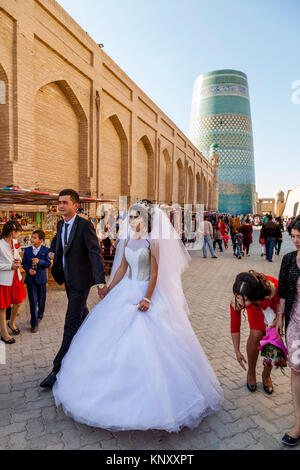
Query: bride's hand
[144, 306]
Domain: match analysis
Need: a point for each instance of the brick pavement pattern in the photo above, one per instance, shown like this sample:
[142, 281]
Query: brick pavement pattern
[29, 418]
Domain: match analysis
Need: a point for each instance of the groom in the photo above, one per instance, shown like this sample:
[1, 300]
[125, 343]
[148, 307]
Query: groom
[77, 263]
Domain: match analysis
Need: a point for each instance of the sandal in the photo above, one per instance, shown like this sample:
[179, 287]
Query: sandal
[16, 331]
[8, 341]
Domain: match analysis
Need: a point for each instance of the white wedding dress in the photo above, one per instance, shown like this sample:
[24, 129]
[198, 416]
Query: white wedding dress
[133, 370]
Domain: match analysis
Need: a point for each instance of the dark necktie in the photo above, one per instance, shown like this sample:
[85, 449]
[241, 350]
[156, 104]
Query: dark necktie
[66, 236]
[65, 247]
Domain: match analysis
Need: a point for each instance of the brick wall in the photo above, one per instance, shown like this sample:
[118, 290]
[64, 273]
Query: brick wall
[53, 133]
[56, 152]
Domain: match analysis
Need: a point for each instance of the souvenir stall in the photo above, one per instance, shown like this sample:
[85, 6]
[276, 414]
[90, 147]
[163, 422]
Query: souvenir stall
[33, 209]
[38, 210]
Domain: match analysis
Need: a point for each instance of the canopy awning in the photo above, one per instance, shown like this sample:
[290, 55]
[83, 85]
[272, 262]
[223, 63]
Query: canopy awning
[15, 195]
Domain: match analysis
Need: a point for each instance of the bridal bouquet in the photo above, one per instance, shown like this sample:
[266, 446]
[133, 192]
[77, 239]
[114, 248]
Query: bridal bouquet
[273, 349]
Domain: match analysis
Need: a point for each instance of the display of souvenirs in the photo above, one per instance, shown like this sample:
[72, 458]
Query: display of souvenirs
[31, 221]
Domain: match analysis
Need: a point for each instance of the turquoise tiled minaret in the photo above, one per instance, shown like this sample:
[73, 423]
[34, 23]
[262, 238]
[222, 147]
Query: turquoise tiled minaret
[221, 115]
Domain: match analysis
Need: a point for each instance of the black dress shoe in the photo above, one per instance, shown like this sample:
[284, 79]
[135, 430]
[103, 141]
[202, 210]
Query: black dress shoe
[49, 381]
[34, 329]
[252, 388]
[289, 440]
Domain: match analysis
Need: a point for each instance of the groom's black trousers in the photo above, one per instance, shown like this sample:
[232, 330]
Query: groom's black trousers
[76, 312]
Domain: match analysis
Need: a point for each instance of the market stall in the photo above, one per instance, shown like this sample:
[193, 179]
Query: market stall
[33, 209]
[38, 210]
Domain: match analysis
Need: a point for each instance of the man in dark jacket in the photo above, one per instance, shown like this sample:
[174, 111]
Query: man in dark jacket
[78, 264]
[270, 232]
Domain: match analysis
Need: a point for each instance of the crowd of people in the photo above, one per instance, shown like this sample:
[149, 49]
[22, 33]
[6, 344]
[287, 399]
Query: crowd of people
[217, 229]
[146, 275]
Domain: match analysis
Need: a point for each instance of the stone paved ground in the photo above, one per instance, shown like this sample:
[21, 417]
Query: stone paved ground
[30, 420]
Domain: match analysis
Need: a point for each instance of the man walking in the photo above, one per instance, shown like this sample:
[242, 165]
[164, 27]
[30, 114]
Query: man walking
[270, 232]
[77, 263]
[207, 230]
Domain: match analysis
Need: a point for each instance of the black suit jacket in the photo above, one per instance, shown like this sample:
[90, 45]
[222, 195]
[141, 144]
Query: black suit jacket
[82, 256]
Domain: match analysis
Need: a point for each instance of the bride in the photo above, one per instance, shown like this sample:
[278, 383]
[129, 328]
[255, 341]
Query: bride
[136, 363]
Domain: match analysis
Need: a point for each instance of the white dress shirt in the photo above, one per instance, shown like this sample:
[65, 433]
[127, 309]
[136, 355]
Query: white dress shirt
[36, 250]
[70, 223]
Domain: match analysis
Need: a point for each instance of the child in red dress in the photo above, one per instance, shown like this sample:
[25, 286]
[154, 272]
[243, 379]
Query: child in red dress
[226, 239]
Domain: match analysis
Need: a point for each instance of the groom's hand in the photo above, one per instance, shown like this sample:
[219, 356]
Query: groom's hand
[102, 291]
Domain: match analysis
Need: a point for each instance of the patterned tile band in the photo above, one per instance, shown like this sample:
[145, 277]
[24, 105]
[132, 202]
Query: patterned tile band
[224, 89]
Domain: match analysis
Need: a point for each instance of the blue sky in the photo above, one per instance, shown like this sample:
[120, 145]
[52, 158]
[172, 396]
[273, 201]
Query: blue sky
[163, 45]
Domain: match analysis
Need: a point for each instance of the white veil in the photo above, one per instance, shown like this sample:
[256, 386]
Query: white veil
[170, 253]
[172, 258]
